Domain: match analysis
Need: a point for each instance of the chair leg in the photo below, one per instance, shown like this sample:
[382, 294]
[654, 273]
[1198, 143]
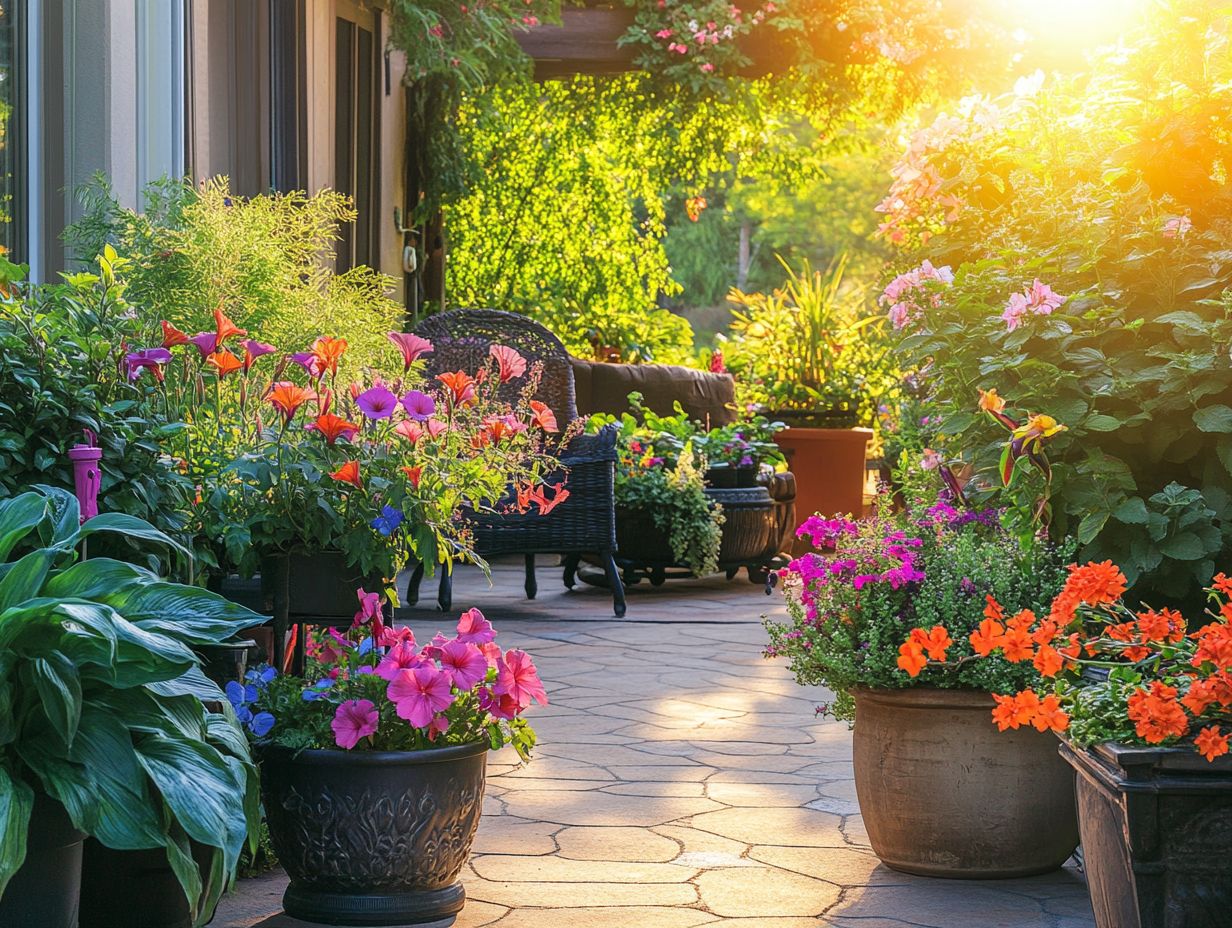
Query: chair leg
[532, 584]
[618, 588]
[413, 584]
[444, 594]
[571, 566]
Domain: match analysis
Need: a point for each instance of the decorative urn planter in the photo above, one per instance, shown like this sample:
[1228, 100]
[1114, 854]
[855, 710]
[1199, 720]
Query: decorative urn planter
[1156, 829]
[944, 794]
[374, 838]
[828, 465]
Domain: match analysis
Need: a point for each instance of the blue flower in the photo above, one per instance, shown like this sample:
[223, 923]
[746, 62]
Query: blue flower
[261, 724]
[236, 694]
[261, 677]
[317, 690]
[365, 646]
[388, 521]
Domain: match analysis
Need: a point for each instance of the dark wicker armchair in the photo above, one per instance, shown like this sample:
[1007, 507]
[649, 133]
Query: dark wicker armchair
[586, 522]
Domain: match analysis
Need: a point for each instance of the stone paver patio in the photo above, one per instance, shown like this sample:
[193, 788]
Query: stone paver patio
[682, 780]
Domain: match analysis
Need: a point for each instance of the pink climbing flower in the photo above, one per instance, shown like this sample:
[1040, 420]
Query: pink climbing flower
[355, 719]
[420, 694]
[510, 364]
[518, 679]
[411, 345]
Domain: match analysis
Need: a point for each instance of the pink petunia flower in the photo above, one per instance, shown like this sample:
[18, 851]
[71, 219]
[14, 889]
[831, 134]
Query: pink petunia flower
[436, 427]
[498, 706]
[510, 364]
[420, 694]
[355, 719]
[418, 405]
[401, 656]
[518, 679]
[410, 430]
[464, 663]
[377, 402]
[473, 628]
[411, 345]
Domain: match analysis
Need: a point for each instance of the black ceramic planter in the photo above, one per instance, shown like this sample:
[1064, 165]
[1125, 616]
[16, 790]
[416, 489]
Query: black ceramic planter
[134, 888]
[373, 838]
[746, 477]
[319, 584]
[1156, 828]
[721, 477]
[46, 891]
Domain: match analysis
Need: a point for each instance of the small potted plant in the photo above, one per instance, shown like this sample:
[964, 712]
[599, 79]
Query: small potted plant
[107, 733]
[372, 769]
[1136, 697]
[810, 355]
[939, 795]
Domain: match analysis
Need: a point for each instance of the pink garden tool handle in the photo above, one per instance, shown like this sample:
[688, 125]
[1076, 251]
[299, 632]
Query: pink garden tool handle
[87, 475]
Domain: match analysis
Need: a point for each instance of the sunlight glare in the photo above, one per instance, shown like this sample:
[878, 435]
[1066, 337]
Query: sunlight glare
[1065, 20]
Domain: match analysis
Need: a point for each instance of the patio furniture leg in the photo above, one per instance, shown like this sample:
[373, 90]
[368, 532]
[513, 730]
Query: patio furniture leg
[412, 585]
[571, 566]
[444, 594]
[618, 588]
[532, 584]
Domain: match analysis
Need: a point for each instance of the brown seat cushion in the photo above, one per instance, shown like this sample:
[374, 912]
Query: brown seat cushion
[707, 398]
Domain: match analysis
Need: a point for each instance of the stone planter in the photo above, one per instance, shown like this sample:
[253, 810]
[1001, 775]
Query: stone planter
[1156, 829]
[943, 793]
[46, 891]
[829, 468]
[374, 838]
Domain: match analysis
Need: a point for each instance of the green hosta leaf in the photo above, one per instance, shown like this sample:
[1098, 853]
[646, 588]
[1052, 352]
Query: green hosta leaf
[1217, 418]
[1133, 511]
[16, 804]
[18, 517]
[127, 817]
[1184, 547]
[59, 688]
[24, 579]
[96, 578]
[130, 527]
[186, 613]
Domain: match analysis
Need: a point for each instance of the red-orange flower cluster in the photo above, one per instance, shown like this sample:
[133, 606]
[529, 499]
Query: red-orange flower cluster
[1027, 708]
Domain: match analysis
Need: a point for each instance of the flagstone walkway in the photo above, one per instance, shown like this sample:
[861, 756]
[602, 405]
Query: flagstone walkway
[682, 780]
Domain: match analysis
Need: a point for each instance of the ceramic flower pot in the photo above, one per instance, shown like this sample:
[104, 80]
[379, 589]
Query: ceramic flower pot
[943, 793]
[748, 526]
[721, 477]
[1156, 829]
[134, 888]
[46, 891]
[373, 838]
[828, 465]
[320, 584]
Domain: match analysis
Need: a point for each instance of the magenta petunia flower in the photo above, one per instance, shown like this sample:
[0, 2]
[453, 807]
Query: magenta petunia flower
[473, 628]
[510, 364]
[355, 719]
[464, 663]
[254, 349]
[411, 345]
[420, 694]
[377, 402]
[518, 679]
[151, 359]
[402, 656]
[309, 362]
[418, 405]
[206, 342]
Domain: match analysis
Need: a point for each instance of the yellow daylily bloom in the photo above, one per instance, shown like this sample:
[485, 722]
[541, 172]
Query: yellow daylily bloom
[1039, 427]
[991, 402]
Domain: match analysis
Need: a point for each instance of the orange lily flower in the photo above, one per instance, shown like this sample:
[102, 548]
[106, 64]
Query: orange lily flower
[461, 387]
[224, 362]
[288, 397]
[224, 328]
[172, 336]
[333, 427]
[349, 473]
[328, 352]
[413, 474]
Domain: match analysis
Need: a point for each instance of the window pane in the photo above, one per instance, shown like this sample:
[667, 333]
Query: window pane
[363, 148]
[344, 132]
[10, 129]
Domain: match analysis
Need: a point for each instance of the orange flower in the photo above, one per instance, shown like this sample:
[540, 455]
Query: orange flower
[539, 497]
[333, 427]
[1015, 711]
[224, 362]
[934, 641]
[413, 475]
[328, 352]
[349, 473]
[1003, 712]
[1199, 697]
[1050, 715]
[1016, 645]
[461, 387]
[1153, 625]
[1048, 661]
[1221, 583]
[911, 658]
[992, 609]
[287, 397]
[1022, 621]
[990, 402]
[224, 328]
[543, 417]
[988, 637]
[1095, 584]
[1156, 714]
[1210, 743]
[173, 336]
[1045, 633]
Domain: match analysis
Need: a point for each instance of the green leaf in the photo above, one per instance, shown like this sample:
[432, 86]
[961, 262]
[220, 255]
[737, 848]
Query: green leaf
[25, 579]
[185, 613]
[1101, 423]
[95, 578]
[59, 689]
[129, 527]
[1091, 525]
[1184, 547]
[18, 517]
[16, 804]
[1132, 512]
[1217, 418]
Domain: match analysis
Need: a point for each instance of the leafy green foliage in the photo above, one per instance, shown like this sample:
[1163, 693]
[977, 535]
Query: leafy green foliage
[265, 260]
[1134, 234]
[103, 701]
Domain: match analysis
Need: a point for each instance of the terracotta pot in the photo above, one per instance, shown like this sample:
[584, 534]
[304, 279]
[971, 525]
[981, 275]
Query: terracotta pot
[1156, 835]
[943, 793]
[829, 468]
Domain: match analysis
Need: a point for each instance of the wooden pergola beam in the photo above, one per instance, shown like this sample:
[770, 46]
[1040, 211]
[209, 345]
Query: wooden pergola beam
[584, 43]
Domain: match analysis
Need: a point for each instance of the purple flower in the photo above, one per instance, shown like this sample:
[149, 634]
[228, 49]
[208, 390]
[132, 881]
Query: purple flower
[377, 402]
[418, 405]
[254, 349]
[308, 361]
[206, 342]
[147, 358]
